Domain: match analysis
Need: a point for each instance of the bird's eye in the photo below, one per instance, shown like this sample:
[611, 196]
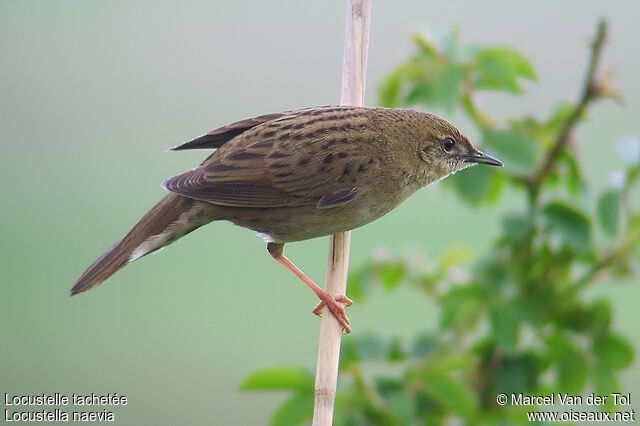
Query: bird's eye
[447, 144]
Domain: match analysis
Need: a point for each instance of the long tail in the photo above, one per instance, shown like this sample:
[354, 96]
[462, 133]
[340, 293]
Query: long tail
[170, 219]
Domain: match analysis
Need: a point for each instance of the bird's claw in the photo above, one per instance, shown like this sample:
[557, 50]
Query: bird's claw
[335, 306]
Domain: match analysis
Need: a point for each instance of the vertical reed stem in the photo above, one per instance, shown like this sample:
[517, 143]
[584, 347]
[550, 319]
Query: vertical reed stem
[354, 68]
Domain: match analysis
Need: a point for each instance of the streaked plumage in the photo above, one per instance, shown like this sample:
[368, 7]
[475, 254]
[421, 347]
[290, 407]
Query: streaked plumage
[297, 175]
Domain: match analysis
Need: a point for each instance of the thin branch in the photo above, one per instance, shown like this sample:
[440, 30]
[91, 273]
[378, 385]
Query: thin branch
[626, 246]
[606, 261]
[353, 79]
[589, 93]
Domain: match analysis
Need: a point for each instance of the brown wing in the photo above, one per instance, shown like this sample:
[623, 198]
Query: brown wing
[216, 138]
[317, 157]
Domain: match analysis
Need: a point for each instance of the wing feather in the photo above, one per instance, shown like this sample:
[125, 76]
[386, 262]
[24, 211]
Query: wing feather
[292, 159]
[218, 137]
[193, 184]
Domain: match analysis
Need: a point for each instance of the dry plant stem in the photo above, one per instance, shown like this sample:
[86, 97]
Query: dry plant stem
[353, 80]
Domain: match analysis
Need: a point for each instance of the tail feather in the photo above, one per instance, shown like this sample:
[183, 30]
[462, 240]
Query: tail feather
[173, 217]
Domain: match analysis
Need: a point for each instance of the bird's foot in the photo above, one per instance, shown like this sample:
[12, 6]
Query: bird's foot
[336, 306]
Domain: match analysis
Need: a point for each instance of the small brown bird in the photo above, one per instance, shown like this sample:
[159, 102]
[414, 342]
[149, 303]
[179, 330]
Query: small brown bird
[297, 175]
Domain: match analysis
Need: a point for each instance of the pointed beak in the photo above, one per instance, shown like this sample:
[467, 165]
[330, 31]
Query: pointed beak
[481, 158]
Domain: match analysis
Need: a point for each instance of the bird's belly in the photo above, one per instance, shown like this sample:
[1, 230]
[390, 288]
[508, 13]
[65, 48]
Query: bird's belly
[288, 224]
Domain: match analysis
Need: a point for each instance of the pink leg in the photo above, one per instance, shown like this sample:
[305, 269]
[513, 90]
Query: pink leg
[334, 304]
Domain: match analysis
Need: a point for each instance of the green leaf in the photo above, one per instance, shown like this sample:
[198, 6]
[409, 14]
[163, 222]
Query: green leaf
[578, 317]
[472, 184]
[496, 74]
[499, 68]
[454, 256]
[390, 273]
[553, 179]
[613, 351]
[438, 87]
[422, 93]
[605, 383]
[573, 226]
[389, 90]
[461, 307]
[423, 345]
[402, 407]
[446, 362]
[425, 45]
[280, 378]
[515, 374]
[359, 282]
[446, 40]
[296, 410]
[528, 310]
[518, 150]
[504, 325]
[558, 345]
[572, 372]
[387, 386]
[396, 351]
[516, 226]
[601, 315]
[496, 185]
[609, 212]
[520, 62]
[447, 87]
[574, 181]
[454, 394]
[348, 353]
[571, 365]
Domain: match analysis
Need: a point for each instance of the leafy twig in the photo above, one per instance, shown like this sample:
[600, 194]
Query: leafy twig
[607, 260]
[589, 93]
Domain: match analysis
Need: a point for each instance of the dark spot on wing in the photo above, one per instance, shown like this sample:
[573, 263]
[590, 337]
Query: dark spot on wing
[278, 154]
[329, 144]
[346, 170]
[241, 154]
[219, 167]
[266, 143]
[337, 198]
[283, 174]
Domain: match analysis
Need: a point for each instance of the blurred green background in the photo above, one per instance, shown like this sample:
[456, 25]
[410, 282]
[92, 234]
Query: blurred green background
[94, 93]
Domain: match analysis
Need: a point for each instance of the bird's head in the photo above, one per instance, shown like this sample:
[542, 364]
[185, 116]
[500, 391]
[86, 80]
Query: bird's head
[443, 150]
